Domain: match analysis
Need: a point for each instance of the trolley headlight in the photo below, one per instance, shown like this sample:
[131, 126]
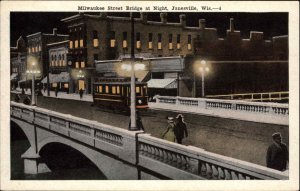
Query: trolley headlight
[140, 101]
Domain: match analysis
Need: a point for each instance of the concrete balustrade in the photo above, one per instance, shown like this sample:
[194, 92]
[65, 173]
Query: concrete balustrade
[134, 147]
[236, 109]
[155, 154]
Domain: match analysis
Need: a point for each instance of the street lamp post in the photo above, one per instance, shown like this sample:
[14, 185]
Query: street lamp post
[203, 68]
[33, 72]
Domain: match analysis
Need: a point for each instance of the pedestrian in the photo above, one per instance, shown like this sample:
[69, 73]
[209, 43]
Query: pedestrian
[277, 154]
[23, 91]
[27, 100]
[56, 91]
[81, 93]
[139, 123]
[169, 133]
[17, 98]
[180, 129]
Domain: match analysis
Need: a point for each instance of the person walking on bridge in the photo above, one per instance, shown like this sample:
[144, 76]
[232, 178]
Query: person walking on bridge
[80, 93]
[277, 154]
[180, 129]
[169, 133]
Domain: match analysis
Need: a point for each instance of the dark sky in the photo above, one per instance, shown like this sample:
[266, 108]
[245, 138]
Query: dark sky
[272, 24]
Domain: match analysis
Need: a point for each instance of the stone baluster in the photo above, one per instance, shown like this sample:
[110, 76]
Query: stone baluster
[209, 171]
[234, 176]
[215, 173]
[227, 175]
[241, 177]
[203, 170]
[221, 174]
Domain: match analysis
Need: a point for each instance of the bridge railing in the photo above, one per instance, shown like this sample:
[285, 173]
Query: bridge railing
[116, 141]
[169, 159]
[189, 162]
[217, 106]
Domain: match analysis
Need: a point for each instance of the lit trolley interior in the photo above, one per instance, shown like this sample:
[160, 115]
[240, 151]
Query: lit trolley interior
[114, 93]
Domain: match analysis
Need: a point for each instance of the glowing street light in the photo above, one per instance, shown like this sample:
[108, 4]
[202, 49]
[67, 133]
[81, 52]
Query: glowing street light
[203, 68]
[80, 74]
[33, 72]
[136, 64]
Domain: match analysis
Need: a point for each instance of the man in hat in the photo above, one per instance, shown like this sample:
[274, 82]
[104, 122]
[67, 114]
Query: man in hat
[277, 154]
[180, 129]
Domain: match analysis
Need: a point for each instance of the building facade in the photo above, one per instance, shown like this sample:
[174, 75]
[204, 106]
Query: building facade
[37, 51]
[59, 69]
[18, 62]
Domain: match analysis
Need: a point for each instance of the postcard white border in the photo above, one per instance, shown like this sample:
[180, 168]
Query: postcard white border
[291, 7]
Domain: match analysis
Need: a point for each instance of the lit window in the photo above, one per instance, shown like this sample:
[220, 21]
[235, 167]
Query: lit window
[66, 85]
[189, 42]
[100, 89]
[178, 41]
[112, 43]
[32, 49]
[77, 64]
[76, 43]
[170, 41]
[118, 89]
[138, 44]
[159, 41]
[82, 64]
[71, 44]
[113, 89]
[150, 45]
[124, 43]
[159, 46]
[29, 50]
[137, 89]
[36, 49]
[124, 39]
[40, 49]
[81, 42]
[106, 89]
[54, 85]
[112, 39]
[64, 63]
[96, 42]
[138, 40]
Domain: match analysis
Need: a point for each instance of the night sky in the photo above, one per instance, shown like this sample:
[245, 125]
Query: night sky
[272, 24]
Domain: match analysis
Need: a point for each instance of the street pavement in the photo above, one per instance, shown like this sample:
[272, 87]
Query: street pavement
[243, 140]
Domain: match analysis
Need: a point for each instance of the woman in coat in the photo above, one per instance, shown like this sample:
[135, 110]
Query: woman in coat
[169, 133]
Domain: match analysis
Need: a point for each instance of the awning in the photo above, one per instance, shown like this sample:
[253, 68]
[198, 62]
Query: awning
[13, 76]
[169, 83]
[55, 78]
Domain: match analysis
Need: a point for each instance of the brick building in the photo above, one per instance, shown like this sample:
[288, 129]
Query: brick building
[37, 51]
[59, 69]
[103, 37]
[18, 62]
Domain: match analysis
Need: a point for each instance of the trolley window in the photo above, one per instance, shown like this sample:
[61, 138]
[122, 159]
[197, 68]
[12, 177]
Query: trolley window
[113, 89]
[100, 89]
[106, 89]
[118, 89]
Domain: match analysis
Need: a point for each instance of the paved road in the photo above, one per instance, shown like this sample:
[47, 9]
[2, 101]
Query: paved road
[234, 138]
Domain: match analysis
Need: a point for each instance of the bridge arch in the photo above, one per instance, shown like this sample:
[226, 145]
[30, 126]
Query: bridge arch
[106, 164]
[61, 158]
[24, 127]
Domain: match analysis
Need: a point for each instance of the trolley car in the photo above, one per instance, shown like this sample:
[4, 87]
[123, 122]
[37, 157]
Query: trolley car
[114, 93]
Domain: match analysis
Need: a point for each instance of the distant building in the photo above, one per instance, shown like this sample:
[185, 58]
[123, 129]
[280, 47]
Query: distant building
[59, 70]
[18, 62]
[37, 50]
[234, 48]
[102, 37]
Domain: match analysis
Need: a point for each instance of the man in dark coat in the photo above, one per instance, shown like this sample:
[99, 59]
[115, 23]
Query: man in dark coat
[81, 93]
[180, 129]
[277, 154]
